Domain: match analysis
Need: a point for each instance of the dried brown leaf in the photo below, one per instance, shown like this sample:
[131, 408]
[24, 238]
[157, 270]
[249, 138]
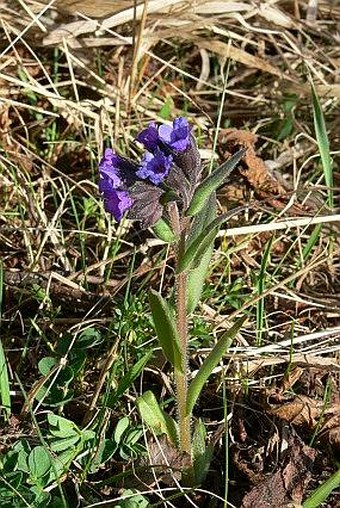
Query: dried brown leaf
[166, 460]
[302, 410]
[267, 184]
[287, 485]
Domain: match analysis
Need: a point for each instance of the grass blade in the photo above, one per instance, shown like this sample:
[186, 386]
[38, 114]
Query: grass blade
[321, 493]
[4, 381]
[128, 379]
[323, 144]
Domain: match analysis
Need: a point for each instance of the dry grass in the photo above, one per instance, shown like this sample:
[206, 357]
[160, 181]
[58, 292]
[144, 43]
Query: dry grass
[71, 84]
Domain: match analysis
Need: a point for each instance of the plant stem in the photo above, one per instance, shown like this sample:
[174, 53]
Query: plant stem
[181, 380]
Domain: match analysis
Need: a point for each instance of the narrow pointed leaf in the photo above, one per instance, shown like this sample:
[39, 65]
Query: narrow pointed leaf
[197, 276]
[153, 415]
[210, 363]
[128, 379]
[166, 330]
[320, 495]
[197, 248]
[212, 182]
[5, 396]
[323, 144]
[203, 218]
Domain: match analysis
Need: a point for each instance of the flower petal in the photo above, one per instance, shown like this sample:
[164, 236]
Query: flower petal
[176, 137]
[149, 137]
[155, 167]
[117, 203]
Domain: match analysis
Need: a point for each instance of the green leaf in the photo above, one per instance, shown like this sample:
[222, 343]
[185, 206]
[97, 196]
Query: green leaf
[132, 499]
[5, 396]
[152, 414]
[46, 364]
[39, 462]
[212, 182]
[121, 427]
[128, 379]
[313, 238]
[320, 495]
[198, 439]
[89, 338]
[203, 218]
[61, 444]
[323, 143]
[166, 330]
[196, 278]
[163, 231]
[202, 242]
[62, 427]
[210, 363]
[201, 451]
[23, 449]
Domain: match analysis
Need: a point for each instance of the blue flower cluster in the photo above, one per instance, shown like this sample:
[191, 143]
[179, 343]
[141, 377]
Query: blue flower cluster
[171, 162]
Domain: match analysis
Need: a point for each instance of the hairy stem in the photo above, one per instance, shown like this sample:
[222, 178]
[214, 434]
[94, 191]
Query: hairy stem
[181, 380]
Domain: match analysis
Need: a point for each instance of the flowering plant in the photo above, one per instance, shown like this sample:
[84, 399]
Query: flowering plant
[165, 191]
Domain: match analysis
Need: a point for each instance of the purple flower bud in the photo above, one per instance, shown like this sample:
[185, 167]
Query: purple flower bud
[116, 202]
[154, 167]
[149, 137]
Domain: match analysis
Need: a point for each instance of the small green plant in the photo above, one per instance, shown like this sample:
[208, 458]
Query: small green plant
[166, 191]
[29, 475]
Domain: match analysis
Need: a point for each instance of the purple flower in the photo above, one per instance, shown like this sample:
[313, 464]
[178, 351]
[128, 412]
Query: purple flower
[176, 137]
[149, 137]
[116, 201]
[109, 166]
[154, 167]
[121, 171]
[136, 190]
[116, 175]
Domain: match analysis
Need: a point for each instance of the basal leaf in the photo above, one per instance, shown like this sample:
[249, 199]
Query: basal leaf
[152, 414]
[202, 452]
